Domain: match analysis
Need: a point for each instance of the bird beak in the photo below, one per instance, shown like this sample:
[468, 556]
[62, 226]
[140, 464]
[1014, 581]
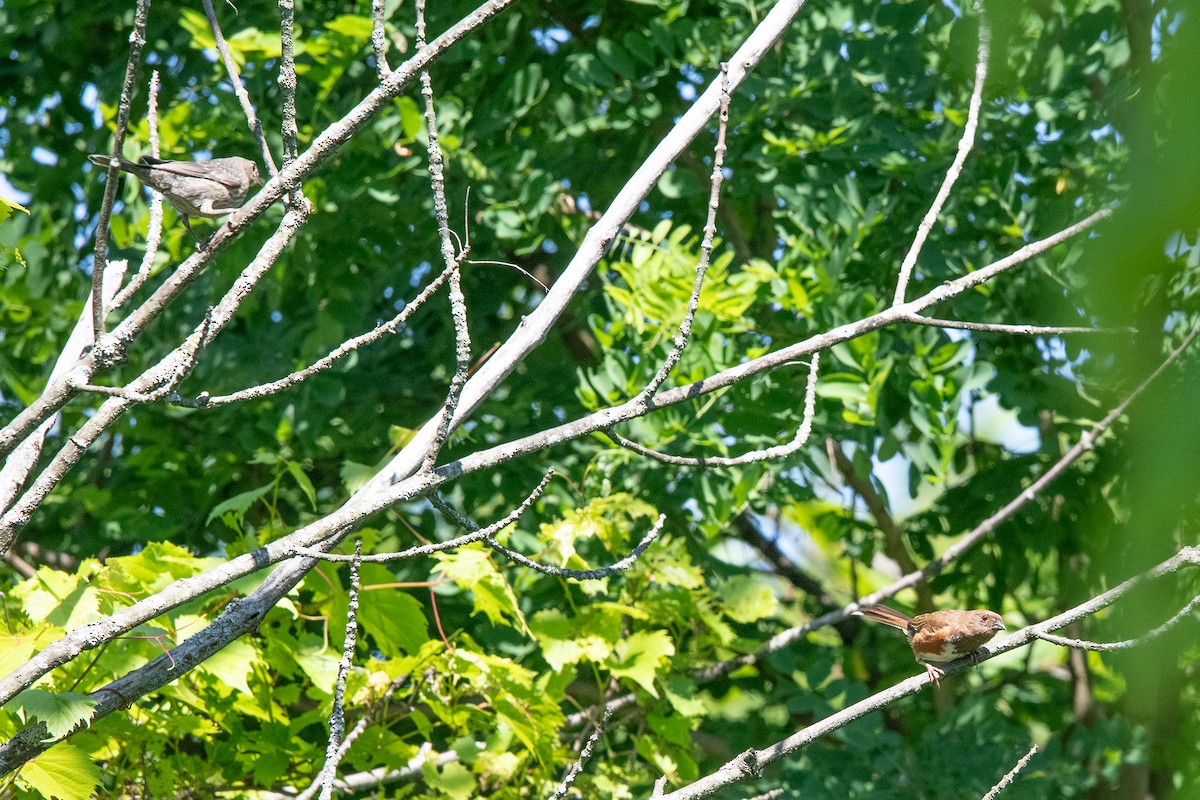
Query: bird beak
[999, 626]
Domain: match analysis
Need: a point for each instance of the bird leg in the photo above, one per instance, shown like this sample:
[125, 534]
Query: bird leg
[935, 674]
[977, 656]
[201, 244]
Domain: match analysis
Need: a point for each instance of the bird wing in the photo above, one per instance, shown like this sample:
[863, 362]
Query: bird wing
[188, 169]
[933, 622]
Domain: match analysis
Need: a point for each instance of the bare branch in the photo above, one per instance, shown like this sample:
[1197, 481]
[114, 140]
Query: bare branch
[771, 795]
[1081, 644]
[137, 40]
[458, 303]
[154, 230]
[379, 40]
[239, 90]
[964, 148]
[477, 534]
[769, 453]
[706, 245]
[584, 755]
[287, 89]
[1023, 330]
[337, 718]
[1012, 773]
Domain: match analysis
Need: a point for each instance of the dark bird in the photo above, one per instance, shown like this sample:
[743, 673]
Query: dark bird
[940, 636]
[196, 188]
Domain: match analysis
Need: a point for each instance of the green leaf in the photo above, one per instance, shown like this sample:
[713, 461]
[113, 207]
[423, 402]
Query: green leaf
[303, 482]
[355, 476]
[233, 511]
[411, 120]
[472, 568]
[62, 712]
[678, 182]
[394, 619]
[234, 664]
[15, 650]
[747, 598]
[64, 771]
[640, 656]
[588, 637]
[351, 26]
[59, 598]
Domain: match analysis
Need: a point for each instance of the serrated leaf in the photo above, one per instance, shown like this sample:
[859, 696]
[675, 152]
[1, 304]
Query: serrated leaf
[62, 712]
[639, 657]
[64, 771]
[471, 568]
[393, 618]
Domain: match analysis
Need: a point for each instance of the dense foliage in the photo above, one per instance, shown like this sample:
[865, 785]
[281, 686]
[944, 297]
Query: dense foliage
[838, 142]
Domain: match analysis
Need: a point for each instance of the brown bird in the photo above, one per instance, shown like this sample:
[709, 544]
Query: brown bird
[940, 636]
[210, 188]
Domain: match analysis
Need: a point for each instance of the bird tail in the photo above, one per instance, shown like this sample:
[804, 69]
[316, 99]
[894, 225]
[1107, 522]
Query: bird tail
[888, 616]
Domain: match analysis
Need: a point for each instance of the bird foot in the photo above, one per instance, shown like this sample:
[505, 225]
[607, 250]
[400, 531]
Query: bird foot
[935, 674]
[977, 656]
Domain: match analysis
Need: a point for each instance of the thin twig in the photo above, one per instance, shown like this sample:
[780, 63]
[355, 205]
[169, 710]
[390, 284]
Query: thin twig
[458, 303]
[341, 351]
[1022, 330]
[337, 718]
[239, 90]
[547, 569]
[1081, 644]
[379, 40]
[517, 267]
[179, 368]
[776, 452]
[1012, 773]
[476, 535]
[706, 245]
[137, 40]
[287, 90]
[964, 148]
[154, 230]
[584, 755]
[771, 795]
